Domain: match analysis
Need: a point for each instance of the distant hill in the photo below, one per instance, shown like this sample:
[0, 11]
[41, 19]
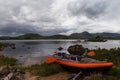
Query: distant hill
[81, 35]
[107, 35]
[37, 36]
[29, 36]
[72, 36]
[4, 37]
[93, 35]
[57, 37]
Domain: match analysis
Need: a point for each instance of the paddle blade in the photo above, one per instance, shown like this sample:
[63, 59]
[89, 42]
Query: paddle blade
[50, 60]
[91, 53]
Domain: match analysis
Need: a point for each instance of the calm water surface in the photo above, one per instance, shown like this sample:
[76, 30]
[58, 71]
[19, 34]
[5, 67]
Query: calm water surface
[34, 51]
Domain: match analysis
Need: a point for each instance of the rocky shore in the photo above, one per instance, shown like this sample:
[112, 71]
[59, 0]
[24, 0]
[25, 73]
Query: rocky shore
[7, 73]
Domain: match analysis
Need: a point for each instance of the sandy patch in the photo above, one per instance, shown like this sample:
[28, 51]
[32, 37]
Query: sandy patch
[58, 76]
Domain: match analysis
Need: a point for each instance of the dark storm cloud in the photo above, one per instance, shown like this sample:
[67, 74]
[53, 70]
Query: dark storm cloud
[20, 29]
[16, 29]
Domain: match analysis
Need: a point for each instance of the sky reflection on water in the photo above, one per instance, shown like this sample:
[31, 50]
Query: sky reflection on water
[34, 51]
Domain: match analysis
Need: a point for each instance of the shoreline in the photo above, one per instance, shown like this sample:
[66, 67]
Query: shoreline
[26, 75]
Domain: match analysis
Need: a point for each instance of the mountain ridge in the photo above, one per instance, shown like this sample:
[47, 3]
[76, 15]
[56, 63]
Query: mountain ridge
[84, 34]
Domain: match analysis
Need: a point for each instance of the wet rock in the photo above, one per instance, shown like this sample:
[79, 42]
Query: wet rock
[76, 49]
[28, 47]
[13, 47]
[60, 48]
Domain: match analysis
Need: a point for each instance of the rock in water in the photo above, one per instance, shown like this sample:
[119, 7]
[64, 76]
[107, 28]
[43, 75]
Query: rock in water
[76, 50]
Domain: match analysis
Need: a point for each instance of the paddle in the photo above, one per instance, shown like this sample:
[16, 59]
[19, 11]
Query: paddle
[50, 60]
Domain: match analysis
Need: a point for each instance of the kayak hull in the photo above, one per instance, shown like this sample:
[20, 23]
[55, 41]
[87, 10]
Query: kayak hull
[86, 71]
[80, 65]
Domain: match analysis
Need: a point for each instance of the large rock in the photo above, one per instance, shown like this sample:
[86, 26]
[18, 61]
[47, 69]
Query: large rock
[7, 73]
[4, 71]
[76, 50]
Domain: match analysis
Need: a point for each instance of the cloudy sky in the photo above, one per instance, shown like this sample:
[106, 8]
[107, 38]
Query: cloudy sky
[48, 17]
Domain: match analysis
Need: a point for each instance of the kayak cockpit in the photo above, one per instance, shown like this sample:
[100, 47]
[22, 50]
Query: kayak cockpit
[75, 58]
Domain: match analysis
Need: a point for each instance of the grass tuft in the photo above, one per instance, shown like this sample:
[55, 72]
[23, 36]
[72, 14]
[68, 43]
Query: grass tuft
[7, 61]
[45, 69]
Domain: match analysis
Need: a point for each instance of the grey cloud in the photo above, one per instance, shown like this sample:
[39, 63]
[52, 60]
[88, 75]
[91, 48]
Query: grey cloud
[89, 9]
[47, 19]
[54, 31]
[16, 29]
[50, 17]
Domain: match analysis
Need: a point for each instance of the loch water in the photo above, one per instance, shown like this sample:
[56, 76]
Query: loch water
[33, 51]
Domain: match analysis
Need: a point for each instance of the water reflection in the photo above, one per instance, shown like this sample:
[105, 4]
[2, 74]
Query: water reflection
[35, 50]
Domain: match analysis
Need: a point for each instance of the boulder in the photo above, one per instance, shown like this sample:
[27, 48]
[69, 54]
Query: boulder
[76, 50]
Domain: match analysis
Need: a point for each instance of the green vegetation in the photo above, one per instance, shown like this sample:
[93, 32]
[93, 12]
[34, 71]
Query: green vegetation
[7, 61]
[97, 39]
[115, 71]
[45, 69]
[112, 74]
[112, 55]
[35, 36]
[20, 68]
[41, 70]
[28, 36]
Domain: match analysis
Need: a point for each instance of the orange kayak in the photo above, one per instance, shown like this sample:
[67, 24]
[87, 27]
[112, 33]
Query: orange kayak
[76, 64]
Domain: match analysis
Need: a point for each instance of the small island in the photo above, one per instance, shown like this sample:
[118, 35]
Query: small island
[97, 39]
